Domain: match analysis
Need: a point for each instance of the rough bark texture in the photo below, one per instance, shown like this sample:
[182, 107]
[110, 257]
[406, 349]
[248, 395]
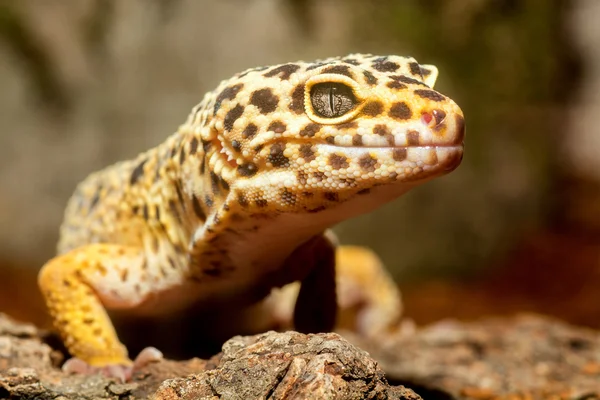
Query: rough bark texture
[272, 365]
[527, 357]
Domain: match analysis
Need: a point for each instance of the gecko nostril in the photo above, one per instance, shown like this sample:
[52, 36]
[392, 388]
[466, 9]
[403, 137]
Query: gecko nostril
[439, 116]
[426, 118]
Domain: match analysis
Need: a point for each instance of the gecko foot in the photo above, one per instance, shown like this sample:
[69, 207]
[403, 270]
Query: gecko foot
[121, 372]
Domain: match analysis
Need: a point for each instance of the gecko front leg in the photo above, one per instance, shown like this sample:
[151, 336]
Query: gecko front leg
[315, 308]
[77, 286]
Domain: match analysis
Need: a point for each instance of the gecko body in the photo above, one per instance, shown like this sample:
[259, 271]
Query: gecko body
[238, 201]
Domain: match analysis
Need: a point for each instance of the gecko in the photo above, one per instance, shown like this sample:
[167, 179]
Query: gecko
[239, 201]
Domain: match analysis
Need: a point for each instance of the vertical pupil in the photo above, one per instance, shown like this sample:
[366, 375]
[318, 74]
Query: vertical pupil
[331, 99]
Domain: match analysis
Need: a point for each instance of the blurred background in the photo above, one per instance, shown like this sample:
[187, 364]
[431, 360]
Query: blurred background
[84, 83]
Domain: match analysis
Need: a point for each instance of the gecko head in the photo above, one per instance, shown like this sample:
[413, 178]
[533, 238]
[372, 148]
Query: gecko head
[306, 136]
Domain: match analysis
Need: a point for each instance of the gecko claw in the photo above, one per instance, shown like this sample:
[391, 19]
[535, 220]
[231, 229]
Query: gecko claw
[147, 356]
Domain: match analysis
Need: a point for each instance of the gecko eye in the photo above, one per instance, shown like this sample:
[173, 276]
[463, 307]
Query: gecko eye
[332, 99]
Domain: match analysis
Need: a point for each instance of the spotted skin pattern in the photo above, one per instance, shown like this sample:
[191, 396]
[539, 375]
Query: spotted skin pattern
[239, 200]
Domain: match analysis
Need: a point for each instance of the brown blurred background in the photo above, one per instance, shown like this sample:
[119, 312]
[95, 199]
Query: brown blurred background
[84, 83]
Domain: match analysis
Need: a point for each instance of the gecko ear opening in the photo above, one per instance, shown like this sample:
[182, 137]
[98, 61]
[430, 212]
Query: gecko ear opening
[430, 74]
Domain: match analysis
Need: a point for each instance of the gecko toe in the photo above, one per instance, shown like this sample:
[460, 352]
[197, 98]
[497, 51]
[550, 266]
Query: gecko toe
[121, 373]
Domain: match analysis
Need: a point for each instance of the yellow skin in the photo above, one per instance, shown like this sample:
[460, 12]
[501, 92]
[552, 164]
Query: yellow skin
[238, 201]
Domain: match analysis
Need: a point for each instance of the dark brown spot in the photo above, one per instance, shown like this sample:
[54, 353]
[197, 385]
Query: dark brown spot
[237, 146]
[400, 111]
[364, 191]
[181, 156]
[137, 172]
[430, 95]
[373, 108]
[193, 146]
[264, 100]
[242, 200]
[297, 103]
[171, 263]
[277, 127]
[383, 65]
[261, 202]
[350, 61]
[338, 69]
[288, 198]
[224, 183]
[307, 152]
[145, 212]
[96, 198]
[412, 138]
[399, 154]
[276, 156]
[214, 181]
[318, 175]
[301, 175]
[318, 209]
[407, 79]
[330, 139]
[232, 116]
[338, 161]
[248, 169]
[259, 147]
[284, 71]
[198, 208]
[206, 145]
[425, 72]
[357, 140]
[249, 131]
[124, 274]
[396, 85]
[415, 68]
[208, 201]
[308, 194]
[370, 78]
[174, 210]
[310, 130]
[162, 272]
[367, 163]
[228, 93]
[348, 125]
[179, 194]
[331, 196]
[316, 65]
[381, 130]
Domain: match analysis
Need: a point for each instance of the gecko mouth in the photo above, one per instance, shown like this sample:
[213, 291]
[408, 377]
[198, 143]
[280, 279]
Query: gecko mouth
[417, 146]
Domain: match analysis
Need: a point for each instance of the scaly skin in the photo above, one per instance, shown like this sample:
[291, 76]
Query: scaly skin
[237, 201]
